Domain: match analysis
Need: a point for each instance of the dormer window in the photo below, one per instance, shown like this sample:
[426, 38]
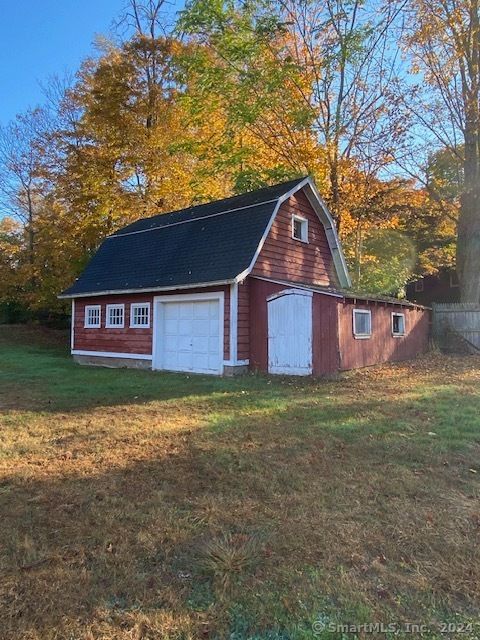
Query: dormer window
[300, 228]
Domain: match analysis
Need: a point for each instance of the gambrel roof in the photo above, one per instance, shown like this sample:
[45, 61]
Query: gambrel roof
[214, 243]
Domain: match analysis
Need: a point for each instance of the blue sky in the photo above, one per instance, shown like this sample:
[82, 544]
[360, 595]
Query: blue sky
[39, 38]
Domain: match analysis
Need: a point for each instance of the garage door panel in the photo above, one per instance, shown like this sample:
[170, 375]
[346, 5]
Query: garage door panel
[185, 327]
[214, 326]
[183, 343]
[200, 327]
[171, 326]
[185, 309]
[170, 311]
[184, 361]
[200, 344]
[212, 359]
[202, 309]
[171, 360]
[188, 336]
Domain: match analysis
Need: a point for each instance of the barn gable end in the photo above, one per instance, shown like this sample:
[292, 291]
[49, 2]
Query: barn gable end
[285, 258]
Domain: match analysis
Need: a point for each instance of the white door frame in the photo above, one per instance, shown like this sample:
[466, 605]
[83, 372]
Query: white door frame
[304, 371]
[186, 297]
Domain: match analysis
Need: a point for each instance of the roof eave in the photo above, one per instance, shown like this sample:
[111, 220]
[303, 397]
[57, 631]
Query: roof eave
[108, 292]
[333, 240]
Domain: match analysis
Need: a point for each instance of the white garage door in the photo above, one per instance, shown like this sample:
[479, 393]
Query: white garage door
[189, 336]
[290, 333]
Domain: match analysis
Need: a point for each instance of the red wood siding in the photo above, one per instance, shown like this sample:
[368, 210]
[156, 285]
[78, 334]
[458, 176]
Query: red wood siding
[226, 318]
[129, 340]
[259, 292]
[324, 328]
[244, 320]
[381, 346]
[124, 340]
[284, 258]
[326, 355]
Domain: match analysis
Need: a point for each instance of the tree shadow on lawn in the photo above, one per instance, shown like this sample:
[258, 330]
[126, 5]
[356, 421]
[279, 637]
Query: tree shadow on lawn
[346, 513]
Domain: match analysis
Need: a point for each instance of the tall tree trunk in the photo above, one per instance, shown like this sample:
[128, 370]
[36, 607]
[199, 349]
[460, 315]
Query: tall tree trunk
[468, 243]
[468, 246]
[31, 241]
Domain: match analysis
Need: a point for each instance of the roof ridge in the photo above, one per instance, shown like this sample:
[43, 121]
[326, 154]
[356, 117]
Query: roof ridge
[190, 209]
[174, 224]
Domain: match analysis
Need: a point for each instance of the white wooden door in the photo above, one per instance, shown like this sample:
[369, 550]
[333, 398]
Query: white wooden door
[290, 333]
[190, 336]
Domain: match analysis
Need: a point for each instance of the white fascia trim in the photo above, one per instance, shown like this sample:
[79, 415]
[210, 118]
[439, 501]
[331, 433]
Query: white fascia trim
[108, 292]
[294, 285]
[111, 354]
[72, 328]
[190, 297]
[290, 292]
[333, 240]
[234, 322]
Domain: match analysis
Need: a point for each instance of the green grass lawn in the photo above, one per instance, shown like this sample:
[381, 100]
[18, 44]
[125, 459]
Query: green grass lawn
[159, 506]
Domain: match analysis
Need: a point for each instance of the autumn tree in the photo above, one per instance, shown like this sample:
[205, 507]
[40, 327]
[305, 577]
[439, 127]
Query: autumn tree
[444, 44]
[22, 182]
[316, 69]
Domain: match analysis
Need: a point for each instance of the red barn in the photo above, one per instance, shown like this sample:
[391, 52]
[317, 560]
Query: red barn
[255, 281]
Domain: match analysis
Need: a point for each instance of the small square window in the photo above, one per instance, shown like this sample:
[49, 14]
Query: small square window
[398, 324]
[140, 315]
[299, 229]
[419, 285]
[362, 323]
[454, 279]
[115, 316]
[92, 316]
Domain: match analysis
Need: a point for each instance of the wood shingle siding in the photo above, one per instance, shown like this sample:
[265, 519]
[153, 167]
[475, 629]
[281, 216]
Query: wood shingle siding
[126, 339]
[285, 258]
[381, 346]
[244, 320]
[118, 340]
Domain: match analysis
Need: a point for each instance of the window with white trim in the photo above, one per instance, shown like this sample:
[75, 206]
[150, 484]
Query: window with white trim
[454, 279]
[398, 324]
[419, 285]
[140, 315]
[299, 228]
[92, 316]
[362, 323]
[115, 316]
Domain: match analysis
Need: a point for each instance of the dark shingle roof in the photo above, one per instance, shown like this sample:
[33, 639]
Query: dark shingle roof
[208, 243]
